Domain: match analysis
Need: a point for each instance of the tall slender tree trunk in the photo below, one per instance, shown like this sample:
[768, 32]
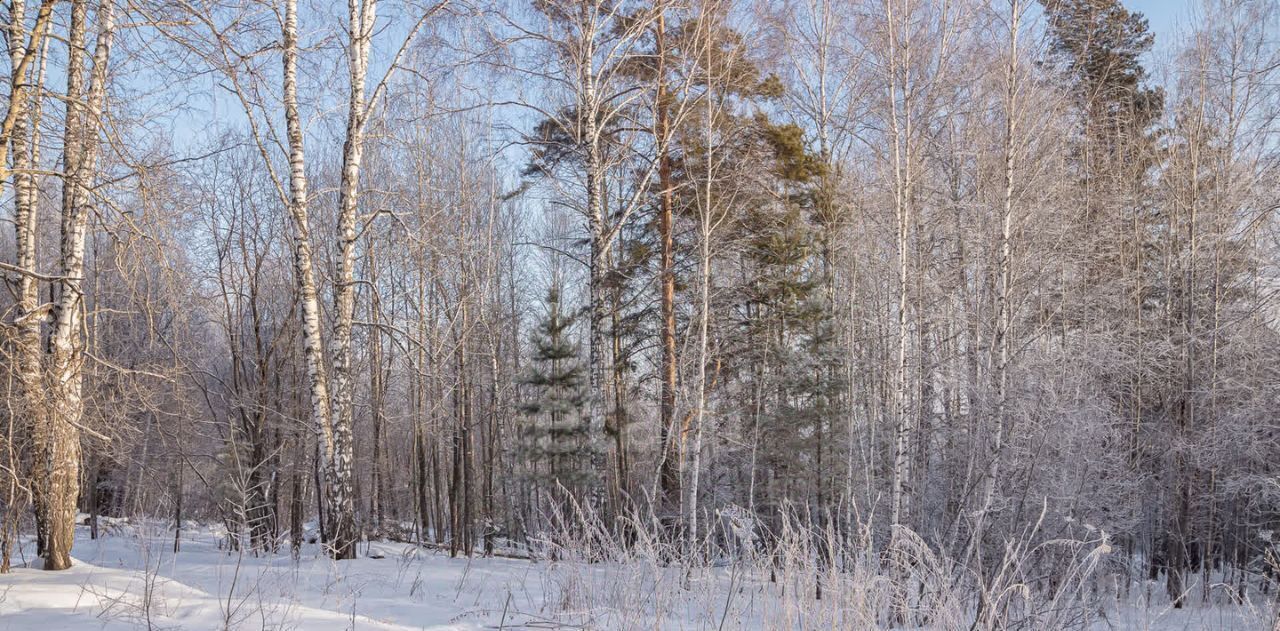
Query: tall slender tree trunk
[420, 413]
[590, 139]
[491, 447]
[1003, 298]
[704, 316]
[1001, 343]
[24, 152]
[436, 402]
[598, 264]
[468, 455]
[705, 226]
[620, 489]
[377, 393]
[57, 440]
[24, 143]
[901, 159]
[304, 269]
[669, 475]
[339, 475]
[297, 490]
[1183, 324]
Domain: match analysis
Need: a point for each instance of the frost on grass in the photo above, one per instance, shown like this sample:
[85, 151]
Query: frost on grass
[130, 578]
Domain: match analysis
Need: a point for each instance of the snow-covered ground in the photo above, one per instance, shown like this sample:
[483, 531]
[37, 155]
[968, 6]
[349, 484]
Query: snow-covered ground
[130, 578]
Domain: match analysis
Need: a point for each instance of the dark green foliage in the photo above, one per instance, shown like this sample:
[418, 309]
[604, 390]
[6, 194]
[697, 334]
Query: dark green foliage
[789, 338]
[555, 440]
[1099, 44]
[793, 161]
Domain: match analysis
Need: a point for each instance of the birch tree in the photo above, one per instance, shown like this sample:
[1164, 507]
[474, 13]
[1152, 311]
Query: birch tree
[23, 145]
[56, 438]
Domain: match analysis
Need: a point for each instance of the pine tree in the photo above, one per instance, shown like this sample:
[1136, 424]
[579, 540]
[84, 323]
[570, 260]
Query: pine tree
[1099, 44]
[790, 319]
[557, 441]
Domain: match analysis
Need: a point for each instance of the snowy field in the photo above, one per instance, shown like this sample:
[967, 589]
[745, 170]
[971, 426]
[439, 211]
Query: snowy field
[130, 579]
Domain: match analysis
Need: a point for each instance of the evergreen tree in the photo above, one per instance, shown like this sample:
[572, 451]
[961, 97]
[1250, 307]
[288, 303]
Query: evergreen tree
[1099, 44]
[556, 440]
[789, 323]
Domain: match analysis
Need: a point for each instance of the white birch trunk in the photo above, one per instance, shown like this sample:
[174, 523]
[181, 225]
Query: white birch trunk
[704, 303]
[588, 108]
[28, 366]
[58, 442]
[901, 159]
[341, 501]
[1001, 343]
[26, 320]
[304, 269]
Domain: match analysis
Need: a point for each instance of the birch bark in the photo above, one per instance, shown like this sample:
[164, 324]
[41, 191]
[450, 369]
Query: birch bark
[57, 439]
[304, 268]
[361, 17]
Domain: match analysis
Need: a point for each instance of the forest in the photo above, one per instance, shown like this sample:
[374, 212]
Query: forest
[944, 314]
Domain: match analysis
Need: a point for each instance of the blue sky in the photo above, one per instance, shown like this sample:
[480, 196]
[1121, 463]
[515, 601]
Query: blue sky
[1165, 16]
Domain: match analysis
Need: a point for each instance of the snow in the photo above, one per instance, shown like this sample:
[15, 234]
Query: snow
[130, 578]
[124, 579]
